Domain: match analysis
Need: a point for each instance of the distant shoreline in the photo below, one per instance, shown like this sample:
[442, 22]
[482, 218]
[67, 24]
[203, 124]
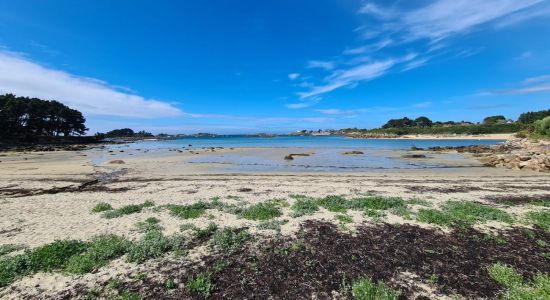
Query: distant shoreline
[493, 136]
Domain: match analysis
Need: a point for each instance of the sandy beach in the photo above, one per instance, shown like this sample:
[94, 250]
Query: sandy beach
[50, 196]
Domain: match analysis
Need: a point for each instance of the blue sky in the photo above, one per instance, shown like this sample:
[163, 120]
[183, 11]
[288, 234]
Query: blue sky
[277, 66]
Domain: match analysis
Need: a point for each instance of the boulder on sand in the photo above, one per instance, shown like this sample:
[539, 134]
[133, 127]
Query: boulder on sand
[117, 162]
[355, 152]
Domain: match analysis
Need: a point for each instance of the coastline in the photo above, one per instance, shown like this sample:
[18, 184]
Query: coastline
[492, 136]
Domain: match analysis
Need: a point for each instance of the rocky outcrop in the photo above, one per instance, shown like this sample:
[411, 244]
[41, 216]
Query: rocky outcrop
[354, 152]
[520, 154]
[291, 155]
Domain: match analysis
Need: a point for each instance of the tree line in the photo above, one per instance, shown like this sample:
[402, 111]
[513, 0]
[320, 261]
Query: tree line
[24, 117]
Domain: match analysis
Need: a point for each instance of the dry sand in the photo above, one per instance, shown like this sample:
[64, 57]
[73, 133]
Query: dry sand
[33, 215]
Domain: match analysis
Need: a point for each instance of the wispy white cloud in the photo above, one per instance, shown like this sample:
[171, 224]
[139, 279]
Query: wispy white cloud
[430, 25]
[341, 78]
[293, 76]
[530, 85]
[23, 77]
[303, 103]
[422, 104]
[326, 65]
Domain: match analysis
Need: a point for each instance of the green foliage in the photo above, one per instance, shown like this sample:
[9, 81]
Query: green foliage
[42, 259]
[127, 210]
[376, 202]
[124, 132]
[9, 248]
[271, 225]
[101, 207]
[23, 117]
[153, 244]
[333, 203]
[542, 127]
[230, 239]
[99, 252]
[434, 216]
[207, 232]
[494, 120]
[444, 128]
[262, 211]
[304, 206]
[201, 284]
[531, 117]
[516, 287]
[505, 275]
[344, 219]
[540, 219]
[366, 289]
[190, 211]
[126, 295]
[149, 224]
[468, 213]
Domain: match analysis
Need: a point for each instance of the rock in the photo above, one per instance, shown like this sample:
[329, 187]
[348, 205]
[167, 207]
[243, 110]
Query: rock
[291, 156]
[414, 156]
[352, 153]
[414, 148]
[117, 162]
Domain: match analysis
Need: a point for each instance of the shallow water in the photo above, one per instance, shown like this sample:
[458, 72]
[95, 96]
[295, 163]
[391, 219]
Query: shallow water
[304, 142]
[266, 154]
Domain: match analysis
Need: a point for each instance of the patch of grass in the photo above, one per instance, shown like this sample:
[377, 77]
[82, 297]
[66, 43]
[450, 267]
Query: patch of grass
[472, 212]
[366, 289]
[304, 206]
[542, 202]
[402, 211]
[434, 216]
[421, 202]
[170, 284]
[434, 279]
[262, 211]
[100, 251]
[376, 202]
[334, 203]
[272, 225]
[149, 224]
[540, 219]
[541, 243]
[191, 211]
[375, 214]
[101, 207]
[42, 259]
[201, 284]
[9, 248]
[126, 295]
[516, 287]
[206, 232]
[230, 239]
[127, 210]
[344, 219]
[468, 213]
[153, 244]
[185, 227]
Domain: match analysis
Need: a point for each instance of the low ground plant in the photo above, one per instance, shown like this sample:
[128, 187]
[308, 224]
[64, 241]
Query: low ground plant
[100, 251]
[366, 289]
[127, 210]
[263, 211]
[468, 213]
[9, 248]
[201, 284]
[540, 219]
[154, 244]
[515, 287]
[149, 224]
[304, 206]
[230, 239]
[191, 211]
[101, 207]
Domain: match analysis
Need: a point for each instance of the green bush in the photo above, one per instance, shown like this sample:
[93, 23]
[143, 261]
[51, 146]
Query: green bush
[516, 288]
[542, 127]
[468, 213]
[333, 203]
